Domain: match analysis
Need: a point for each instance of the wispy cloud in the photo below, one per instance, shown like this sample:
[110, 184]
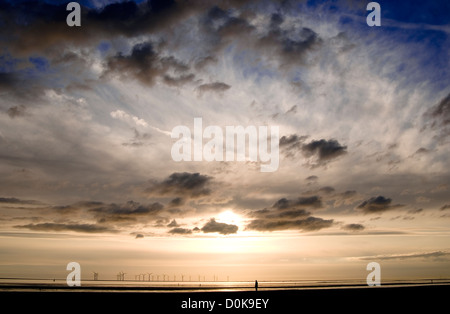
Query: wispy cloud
[88, 228]
[427, 255]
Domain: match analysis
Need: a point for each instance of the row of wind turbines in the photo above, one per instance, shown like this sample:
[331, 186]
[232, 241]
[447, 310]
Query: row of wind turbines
[151, 277]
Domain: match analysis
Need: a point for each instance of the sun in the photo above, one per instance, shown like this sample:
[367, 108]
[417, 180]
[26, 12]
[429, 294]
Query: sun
[229, 217]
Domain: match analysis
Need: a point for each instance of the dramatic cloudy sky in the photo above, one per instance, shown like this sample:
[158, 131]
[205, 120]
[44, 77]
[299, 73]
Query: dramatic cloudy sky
[86, 115]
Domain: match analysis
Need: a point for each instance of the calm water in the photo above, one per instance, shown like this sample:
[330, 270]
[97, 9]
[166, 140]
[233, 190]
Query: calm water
[30, 284]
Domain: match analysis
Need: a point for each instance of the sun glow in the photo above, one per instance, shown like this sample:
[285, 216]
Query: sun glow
[229, 217]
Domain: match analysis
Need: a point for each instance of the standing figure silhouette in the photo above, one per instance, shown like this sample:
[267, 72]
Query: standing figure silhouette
[256, 285]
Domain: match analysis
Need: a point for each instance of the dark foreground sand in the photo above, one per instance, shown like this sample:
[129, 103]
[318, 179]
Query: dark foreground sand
[324, 300]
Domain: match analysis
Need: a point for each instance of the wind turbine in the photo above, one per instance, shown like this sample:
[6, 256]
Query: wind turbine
[95, 275]
[182, 277]
[149, 276]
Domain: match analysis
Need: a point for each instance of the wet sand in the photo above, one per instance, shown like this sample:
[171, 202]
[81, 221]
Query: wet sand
[321, 300]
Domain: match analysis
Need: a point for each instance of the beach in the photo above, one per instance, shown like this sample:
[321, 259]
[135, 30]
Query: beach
[355, 299]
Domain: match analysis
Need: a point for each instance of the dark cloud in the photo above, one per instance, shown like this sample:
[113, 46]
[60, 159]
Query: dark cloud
[13, 200]
[353, 227]
[185, 184]
[107, 216]
[34, 18]
[235, 26]
[8, 80]
[276, 20]
[118, 12]
[146, 65]
[308, 224]
[173, 224]
[312, 178]
[180, 231]
[217, 87]
[292, 47]
[139, 236]
[283, 214]
[213, 226]
[295, 213]
[73, 208]
[88, 228]
[289, 214]
[40, 25]
[377, 205]
[301, 202]
[16, 111]
[221, 25]
[68, 210]
[323, 150]
[292, 143]
[285, 209]
[421, 151]
[446, 206]
[438, 118]
[327, 189]
[295, 50]
[131, 211]
[441, 112]
[39, 29]
[215, 14]
[177, 201]
[320, 151]
[36, 26]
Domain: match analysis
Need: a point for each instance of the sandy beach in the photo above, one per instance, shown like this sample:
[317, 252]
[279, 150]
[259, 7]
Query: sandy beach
[321, 299]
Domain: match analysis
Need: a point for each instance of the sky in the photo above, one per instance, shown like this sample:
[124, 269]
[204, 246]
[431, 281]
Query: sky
[86, 120]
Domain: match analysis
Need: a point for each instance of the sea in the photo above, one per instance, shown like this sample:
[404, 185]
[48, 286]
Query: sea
[88, 285]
